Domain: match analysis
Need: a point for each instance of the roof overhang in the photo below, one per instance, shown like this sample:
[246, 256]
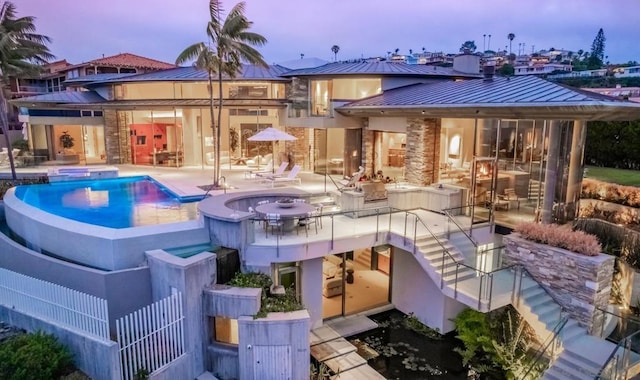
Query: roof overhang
[162, 103]
[606, 111]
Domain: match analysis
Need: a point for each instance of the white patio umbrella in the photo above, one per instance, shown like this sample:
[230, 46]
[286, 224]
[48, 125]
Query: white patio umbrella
[273, 135]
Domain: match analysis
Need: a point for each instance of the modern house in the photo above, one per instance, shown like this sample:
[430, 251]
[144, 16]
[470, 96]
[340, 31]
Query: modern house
[461, 148]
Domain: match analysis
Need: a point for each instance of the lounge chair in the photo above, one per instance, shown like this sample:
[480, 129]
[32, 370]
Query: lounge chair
[292, 177]
[271, 174]
[249, 174]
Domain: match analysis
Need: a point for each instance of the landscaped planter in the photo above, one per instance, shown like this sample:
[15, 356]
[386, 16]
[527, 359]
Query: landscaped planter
[580, 283]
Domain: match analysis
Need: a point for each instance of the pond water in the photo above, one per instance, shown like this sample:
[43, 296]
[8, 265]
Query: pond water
[407, 355]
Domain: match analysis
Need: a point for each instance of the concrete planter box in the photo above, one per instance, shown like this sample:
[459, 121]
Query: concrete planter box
[231, 302]
[580, 283]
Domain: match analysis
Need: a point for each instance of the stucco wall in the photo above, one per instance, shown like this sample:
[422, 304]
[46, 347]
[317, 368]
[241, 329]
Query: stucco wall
[414, 292]
[580, 283]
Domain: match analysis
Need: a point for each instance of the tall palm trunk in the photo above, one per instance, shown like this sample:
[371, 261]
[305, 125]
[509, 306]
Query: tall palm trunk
[216, 169]
[4, 126]
[219, 129]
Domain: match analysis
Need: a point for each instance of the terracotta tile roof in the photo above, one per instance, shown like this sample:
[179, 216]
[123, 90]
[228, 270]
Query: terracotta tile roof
[132, 60]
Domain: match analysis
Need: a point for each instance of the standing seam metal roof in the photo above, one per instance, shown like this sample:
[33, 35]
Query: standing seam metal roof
[191, 73]
[513, 90]
[377, 68]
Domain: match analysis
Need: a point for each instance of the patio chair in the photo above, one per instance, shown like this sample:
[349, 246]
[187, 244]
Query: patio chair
[271, 174]
[313, 217]
[274, 221]
[292, 177]
[509, 196]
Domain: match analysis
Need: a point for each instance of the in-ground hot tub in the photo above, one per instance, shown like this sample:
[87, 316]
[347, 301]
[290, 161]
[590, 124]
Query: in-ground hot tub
[106, 224]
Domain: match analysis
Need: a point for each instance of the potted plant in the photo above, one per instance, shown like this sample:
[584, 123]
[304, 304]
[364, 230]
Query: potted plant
[66, 140]
[233, 140]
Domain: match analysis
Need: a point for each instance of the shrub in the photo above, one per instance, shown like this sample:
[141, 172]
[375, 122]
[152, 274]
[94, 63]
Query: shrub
[36, 356]
[561, 237]
[611, 192]
[251, 280]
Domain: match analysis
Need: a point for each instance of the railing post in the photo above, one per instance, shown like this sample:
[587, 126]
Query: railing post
[480, 293]
[377, 223]
[406, 215]
[490, 297]
[455, 284]
[442, 271]
[332, 227]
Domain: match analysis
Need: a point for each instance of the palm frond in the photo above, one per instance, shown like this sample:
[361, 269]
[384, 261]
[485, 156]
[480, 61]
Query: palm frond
[191, 53]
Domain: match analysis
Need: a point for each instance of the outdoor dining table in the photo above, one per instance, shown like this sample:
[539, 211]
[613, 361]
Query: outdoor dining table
[289, 212]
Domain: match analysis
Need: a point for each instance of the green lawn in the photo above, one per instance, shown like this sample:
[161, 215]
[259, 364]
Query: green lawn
[619, 176]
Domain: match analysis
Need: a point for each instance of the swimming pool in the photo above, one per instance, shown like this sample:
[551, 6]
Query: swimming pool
[115, 203]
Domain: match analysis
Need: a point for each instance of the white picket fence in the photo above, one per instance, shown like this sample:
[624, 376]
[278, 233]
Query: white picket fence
[48, 301]
[151, 337]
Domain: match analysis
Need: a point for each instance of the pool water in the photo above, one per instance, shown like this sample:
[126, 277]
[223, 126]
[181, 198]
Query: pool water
[406, 355]
[116, 203]
[191, 250]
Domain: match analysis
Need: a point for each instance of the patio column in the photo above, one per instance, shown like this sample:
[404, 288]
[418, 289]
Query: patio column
[423, 151]
[367, 147]
[574, 182]
[551, 172]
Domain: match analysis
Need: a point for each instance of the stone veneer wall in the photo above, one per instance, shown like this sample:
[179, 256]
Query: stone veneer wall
[367, 146]
[298, 148]
[580, 283]
[423, 151]
[117, 143]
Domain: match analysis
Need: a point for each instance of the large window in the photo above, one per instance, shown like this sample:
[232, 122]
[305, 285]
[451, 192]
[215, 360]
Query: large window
[225, 330]
[248, 92]
[320, 95]
[356, 88]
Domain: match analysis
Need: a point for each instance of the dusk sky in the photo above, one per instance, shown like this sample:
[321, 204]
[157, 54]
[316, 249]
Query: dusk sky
[83, 30]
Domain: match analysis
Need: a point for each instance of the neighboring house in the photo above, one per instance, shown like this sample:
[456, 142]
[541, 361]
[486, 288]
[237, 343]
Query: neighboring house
[627, 72]
[62, 76]
[629, 93]
[541, 68]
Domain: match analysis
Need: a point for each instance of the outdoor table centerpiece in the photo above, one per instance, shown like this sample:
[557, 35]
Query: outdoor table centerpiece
[285, 202]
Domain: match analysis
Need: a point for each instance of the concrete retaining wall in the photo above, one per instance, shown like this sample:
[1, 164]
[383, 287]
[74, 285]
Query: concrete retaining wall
[275, 347]
[174, 370]
[98, 359]
[580, 283]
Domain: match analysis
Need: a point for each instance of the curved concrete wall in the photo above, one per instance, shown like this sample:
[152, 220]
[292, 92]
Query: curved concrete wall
[96, 246]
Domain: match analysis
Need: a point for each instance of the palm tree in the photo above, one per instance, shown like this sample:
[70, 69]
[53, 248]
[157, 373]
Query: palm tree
[510, 36]
[335, 49]
[22, 52]
[230, 43]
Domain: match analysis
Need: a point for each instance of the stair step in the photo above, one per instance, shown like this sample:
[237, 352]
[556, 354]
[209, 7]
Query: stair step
[571, 333]
[579, 369]
[551, 376]
[462, 276]
[531, 291]
[575, 357]
[558, 373]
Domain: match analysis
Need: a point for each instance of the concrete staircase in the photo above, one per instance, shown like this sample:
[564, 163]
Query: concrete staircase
[458, 281]
[581, 355]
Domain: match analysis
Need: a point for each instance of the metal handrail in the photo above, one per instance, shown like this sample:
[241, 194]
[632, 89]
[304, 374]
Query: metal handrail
[486, 289]
[524, 270]
[625, 344]
[555, 333]
[450, 217]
